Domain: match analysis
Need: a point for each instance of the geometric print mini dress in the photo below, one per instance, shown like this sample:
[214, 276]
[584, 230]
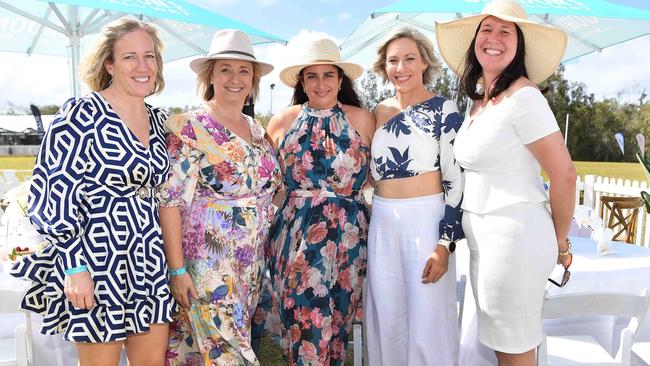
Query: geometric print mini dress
[93, 200]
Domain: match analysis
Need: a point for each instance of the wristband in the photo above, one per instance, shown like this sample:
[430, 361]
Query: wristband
[71, 271]
[177, 271]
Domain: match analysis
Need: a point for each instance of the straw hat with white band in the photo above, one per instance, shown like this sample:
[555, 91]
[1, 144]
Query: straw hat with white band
[320, 52]
[545, 45]
[230, 44]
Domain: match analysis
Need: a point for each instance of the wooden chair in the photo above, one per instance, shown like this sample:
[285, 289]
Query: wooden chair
[621, 216]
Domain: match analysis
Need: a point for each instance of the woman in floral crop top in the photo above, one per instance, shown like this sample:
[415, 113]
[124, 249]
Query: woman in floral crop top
[416, 217]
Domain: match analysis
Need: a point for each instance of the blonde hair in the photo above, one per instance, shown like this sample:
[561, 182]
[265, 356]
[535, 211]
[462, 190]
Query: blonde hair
[93, 70]
[425, 47]
[204, 79]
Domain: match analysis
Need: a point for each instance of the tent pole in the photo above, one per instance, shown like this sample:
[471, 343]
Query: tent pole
[75, 44]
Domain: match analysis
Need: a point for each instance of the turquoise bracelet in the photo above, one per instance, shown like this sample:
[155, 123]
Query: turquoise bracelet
[71, 271]
[177, 271]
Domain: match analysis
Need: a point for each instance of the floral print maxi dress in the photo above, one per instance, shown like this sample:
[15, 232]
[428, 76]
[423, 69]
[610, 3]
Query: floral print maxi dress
[223, 187]
[318, 241]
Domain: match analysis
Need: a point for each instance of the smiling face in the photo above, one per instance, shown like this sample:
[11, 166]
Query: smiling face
[495, 45]
[134, 66]
[232, 80]
[321, 84]
[404, 65]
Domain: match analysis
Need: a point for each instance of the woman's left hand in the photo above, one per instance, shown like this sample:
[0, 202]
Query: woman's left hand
[436, 265]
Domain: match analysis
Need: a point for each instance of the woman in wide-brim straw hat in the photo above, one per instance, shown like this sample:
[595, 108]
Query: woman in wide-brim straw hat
[318, 241]
[216, 208]
[508, 133]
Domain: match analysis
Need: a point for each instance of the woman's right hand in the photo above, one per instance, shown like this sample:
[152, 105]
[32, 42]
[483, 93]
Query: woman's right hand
[182, 288]
[79, 290]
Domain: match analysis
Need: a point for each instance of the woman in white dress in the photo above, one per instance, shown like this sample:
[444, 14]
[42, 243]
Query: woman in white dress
[509, 132]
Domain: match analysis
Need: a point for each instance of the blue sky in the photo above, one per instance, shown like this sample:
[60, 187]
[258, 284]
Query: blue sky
[620, 71]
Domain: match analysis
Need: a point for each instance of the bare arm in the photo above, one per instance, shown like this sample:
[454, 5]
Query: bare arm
[554, 158]
[181, 285]
[170, 223]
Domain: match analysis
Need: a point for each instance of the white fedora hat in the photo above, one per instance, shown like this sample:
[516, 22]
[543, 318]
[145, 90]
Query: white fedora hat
[320, 52]
[230, 44]
[545, 45]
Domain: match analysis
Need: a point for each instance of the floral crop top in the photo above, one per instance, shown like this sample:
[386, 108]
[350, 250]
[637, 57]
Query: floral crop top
[419, 140]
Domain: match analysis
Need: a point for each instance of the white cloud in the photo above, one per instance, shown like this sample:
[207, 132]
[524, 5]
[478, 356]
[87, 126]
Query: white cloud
[344, 16]
[266, 3]
[619, 71]
[36, 79]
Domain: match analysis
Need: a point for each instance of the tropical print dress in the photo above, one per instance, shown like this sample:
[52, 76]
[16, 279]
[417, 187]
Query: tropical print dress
[223, 186]
[318, 242]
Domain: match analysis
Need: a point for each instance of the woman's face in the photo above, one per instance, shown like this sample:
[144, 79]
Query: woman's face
[321, 84]
[404, 65]
[496, 45]
[134, 68]
[232, 80]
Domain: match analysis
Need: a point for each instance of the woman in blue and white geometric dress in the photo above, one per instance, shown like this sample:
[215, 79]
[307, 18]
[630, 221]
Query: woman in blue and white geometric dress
[101, 280]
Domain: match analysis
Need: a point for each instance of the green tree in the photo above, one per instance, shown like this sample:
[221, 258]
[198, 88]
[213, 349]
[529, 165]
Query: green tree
[263, 118]
[48, 109]
[447, 85]
[370, 92]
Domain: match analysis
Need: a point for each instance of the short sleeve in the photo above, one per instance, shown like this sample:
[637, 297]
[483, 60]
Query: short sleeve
[58, 189]
[179, 188]
[534, 118]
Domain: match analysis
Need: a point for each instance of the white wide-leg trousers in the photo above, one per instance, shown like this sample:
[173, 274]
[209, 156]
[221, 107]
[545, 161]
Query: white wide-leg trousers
[408, 323]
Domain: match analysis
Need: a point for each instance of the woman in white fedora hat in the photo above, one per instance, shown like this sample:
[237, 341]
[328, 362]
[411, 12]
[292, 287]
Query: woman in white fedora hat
[410, 315]
[508, 133]
[318, 241]
[216, 208]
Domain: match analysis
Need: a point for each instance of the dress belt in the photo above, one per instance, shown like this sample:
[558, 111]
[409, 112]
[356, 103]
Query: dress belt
[251, 201]
[142, 192]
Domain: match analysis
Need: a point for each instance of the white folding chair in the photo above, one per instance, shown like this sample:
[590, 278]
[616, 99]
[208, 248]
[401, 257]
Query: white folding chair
[642, 351]
[16, 351]
[584, 349]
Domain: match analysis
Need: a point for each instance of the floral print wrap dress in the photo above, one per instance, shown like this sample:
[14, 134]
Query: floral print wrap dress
[318, 241]
[223, 186]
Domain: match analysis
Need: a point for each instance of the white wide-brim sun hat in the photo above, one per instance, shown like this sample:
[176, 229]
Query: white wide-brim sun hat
[230, 44]
[319, 52]
[544, 45]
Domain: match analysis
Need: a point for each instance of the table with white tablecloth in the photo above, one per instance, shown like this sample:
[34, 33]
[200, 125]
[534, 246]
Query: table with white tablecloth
[626, 269]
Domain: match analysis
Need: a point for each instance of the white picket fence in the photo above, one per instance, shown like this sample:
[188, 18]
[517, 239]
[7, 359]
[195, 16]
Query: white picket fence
[593, 187]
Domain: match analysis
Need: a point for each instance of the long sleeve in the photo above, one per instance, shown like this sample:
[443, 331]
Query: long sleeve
[57, 191]
[452, 176]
